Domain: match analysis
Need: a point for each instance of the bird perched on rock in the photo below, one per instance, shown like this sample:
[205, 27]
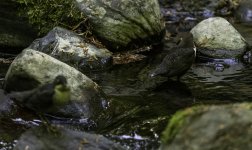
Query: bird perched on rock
[180, 58]
[45, 98]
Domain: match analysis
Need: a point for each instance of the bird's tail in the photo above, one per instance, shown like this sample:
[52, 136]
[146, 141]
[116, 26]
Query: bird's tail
[20, 97]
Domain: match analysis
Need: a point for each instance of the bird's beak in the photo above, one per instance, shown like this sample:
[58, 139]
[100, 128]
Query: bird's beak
[152, 74]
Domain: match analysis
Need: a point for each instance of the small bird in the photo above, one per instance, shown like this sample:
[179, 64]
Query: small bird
[45, 98]
[180, 58]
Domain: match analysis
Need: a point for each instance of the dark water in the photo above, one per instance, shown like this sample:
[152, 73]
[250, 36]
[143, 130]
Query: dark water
[142, 106]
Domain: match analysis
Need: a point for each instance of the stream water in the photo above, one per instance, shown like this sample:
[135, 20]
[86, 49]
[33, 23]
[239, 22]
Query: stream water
[143, 107]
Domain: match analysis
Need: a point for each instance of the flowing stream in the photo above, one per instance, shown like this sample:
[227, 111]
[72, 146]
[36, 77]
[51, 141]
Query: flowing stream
[142, 108]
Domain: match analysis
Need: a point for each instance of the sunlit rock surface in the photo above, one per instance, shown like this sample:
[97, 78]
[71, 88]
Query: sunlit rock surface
[32, 68]
[216, 37]
[124, 23]
[41, 139]
[210, 127]
[68, 47]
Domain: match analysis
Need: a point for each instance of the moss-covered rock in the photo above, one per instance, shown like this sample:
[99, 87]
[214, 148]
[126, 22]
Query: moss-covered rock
[176, 122]
[46, 15]
[210, 127]
[124, 23]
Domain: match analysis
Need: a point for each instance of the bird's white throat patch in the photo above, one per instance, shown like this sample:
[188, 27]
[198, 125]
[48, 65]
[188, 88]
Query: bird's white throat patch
[194, 48]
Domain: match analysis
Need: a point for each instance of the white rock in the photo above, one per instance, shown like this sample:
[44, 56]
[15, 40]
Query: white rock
[219, 37]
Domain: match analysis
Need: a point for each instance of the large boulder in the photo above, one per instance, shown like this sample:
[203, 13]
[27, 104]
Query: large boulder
[210, 127]
[15, 31]
[41, 139]
[216, 37]
[70, 48]
[32, 68]
[124, 23]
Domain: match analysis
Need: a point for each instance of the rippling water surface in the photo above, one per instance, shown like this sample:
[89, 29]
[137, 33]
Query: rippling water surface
[145, 106]
[142, 107]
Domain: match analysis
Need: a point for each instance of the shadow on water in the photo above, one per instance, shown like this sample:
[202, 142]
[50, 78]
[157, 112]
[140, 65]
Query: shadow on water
[140, 108]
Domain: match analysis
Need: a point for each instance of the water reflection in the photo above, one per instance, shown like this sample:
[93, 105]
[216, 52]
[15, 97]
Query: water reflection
[140, 107]
[233, 84]
[208, 73]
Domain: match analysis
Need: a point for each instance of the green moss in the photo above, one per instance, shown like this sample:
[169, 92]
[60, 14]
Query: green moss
[6, 137]
[176, 122]
[46, 14]
[244, 106]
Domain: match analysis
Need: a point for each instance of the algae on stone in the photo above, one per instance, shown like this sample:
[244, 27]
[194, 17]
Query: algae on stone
[177, 121]
[210, 127]
[48, 14]
[124, 23]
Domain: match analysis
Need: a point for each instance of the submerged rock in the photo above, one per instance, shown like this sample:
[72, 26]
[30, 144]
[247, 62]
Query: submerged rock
[70, 48]
[32, 68]
[216, 37]
[124, 23]
[210, 127]
[41, 139]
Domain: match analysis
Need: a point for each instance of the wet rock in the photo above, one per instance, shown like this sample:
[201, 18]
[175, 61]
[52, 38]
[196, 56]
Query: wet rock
[6, 105]
[243, 13]
[216, 37]
[210, 127]
[70, 48]
[15, 31]
[124, 23]
[32, 68]
[40, 139]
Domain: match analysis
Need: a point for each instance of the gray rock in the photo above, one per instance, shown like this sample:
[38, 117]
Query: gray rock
[41, 139]
[32, 68]
[70, 48]
[6, 105]
[124, 23]
[210, 127]
[15, 31]
[217, 38]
